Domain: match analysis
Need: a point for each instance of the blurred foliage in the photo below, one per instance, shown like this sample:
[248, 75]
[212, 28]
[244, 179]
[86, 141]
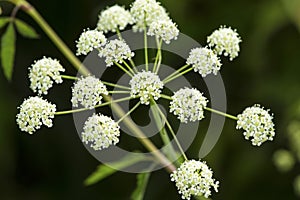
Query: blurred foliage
[53, 163]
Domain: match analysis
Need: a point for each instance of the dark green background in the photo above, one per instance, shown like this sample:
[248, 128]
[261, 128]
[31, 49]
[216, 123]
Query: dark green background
[53, 163]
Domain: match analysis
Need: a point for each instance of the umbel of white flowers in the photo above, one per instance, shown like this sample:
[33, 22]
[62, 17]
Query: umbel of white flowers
[88, 92]
[194, 178]
[188, 104]
[145, 85]
[257, 124]
[35, 112]
[43, 73]
[113, 19]
[101, 131]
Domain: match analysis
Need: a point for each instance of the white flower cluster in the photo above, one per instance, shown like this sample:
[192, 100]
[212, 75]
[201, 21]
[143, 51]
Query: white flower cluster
[34, 112]
[89, 40]
[43, 73]
[225, 41]
[114, 18]
[87, 91]
[164, 29]
[101, 131]
[188, 104]
[257, 124]
[194, 178]
[145, 85]
[204, 61]
[116, 51]
[144, 12]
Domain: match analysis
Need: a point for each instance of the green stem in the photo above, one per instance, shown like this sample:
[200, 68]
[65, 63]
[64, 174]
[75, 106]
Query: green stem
[163, 133]
[178, 75]
[221, 113]
[31, 11]
[128, 67]
[176, 72]
[146, 48]
[166, 97]
[172, 132]
[119, 34]
[97, 106]
[69, 77]
[124, 70]
[132, 109]
[157, 55]
[158, 64]
[119, 92]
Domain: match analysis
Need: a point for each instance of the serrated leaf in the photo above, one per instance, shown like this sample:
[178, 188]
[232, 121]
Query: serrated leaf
[104, 171]
[142, 181]
[25, 30]
[4, 21]
[8, 42]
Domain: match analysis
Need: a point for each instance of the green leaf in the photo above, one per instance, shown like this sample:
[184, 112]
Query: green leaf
[104, 171]
[4, 21]
[8, 42]
[25, 30]
[142, 181]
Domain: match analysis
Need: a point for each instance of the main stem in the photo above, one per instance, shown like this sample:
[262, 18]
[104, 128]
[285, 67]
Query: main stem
[163, 133]
[142, 137]
[77, 64]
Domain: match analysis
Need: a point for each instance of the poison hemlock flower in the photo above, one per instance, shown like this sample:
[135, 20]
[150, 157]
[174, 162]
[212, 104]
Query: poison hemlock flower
[90, 40]
[164, 29]
[116, 51]
[188, 104]
[35, 112]
[204, 61]
[114, 18]
[43, 73]
[101, 131]
[194, 178]
[283, 160]
[225, 41]
[145, 85]
[257, 124]
[144, 12]
[87, 91]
